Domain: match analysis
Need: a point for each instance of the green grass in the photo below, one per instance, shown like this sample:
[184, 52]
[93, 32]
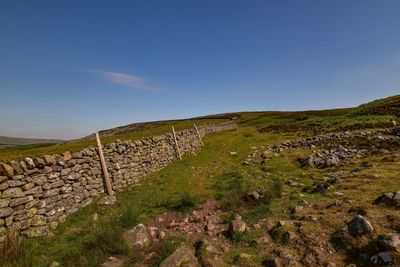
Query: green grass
[183, 185]
[180, 186]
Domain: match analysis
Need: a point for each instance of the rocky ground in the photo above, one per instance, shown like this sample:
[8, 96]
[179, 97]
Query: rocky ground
[351, 219]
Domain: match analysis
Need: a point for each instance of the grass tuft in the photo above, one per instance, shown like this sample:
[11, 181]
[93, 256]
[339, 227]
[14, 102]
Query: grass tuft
[106, 238]
[10, 248]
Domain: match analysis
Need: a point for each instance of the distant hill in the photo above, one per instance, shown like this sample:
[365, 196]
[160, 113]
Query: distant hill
[6, 141]
[143, 127]
[294, 120]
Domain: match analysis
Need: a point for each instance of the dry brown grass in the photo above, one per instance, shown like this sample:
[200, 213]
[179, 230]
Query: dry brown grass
[10, 248]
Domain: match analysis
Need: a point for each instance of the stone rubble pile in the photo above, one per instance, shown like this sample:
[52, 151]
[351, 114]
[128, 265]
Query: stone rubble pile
[390, 198]
[331, 156]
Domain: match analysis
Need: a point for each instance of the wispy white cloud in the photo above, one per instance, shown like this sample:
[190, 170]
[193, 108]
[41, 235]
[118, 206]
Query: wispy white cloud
[125, 79]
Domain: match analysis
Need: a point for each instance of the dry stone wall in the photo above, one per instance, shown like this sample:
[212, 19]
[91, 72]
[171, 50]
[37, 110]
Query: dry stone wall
[38, 193]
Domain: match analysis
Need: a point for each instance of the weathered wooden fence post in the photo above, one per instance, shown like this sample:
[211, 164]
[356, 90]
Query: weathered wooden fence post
[104, 166]
[212, 128]
[198, 134]
[176, 143]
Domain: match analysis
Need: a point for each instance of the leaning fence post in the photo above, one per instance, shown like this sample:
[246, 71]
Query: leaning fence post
[212, 128]
[198, 134]
[176, 143]
[104, 166]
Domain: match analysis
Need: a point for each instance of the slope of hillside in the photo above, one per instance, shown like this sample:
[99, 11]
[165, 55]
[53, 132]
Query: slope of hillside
[384, 106]
[278, 121]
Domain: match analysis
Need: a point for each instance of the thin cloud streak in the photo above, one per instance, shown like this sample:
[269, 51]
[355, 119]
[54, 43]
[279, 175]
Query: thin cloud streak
[126, 79]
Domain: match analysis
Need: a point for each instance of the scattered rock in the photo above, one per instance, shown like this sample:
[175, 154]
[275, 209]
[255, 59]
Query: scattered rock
[262, 240]
[155, 233]
[359, 226]
[386, 258]
[309, 218]
[183, 256]
[389, 242]
[298, 209]
[237, 225]
[291, 183]
[289, 236]
[253, 196]
[55, 264]
[286, 258]
[138, 237]
[390, 198]
[108, 200]
[113, 262]
[323, 187]
[208, 255]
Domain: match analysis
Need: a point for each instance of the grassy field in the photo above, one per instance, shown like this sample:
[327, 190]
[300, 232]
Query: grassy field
[215, 173]
[183, 185]
[180, 186]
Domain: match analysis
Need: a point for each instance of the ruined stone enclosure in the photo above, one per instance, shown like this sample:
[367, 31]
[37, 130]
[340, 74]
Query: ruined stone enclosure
[38, 193]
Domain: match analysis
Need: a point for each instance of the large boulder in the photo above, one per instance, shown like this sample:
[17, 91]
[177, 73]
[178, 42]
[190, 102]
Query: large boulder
[138, 237]
[183, 256]
[359, 226]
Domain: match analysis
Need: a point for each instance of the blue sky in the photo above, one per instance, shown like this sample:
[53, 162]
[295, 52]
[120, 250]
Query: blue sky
[69, 68]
